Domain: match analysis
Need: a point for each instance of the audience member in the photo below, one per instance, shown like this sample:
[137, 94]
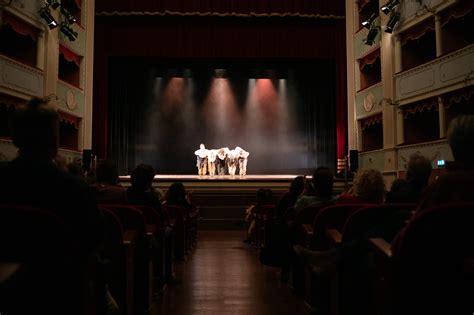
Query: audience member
[397, 185]
[264, 197]
[142, 192]
[368, 187]
[289, 198]
[176, 196]
[417, 177]
[320, 190]
[107, 188]
[461, 141]
[34, 179]
[34, 130]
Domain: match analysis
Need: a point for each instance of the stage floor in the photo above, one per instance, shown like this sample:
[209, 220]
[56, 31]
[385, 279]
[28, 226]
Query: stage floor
[220, 178]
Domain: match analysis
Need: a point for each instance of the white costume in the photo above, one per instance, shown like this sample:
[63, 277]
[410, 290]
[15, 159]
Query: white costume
[231, 161]
[201, 160]
[242, 156]
[221, 160]
[211, 161]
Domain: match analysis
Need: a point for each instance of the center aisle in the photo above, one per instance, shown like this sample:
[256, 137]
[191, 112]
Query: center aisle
[224, 276]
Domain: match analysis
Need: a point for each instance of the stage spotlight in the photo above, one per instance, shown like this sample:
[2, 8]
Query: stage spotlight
[67, 30]
[71, 19]
[368, 23]
[371, 36]
[392, 22]
[48, 18]
[54, 4]
[389, 6]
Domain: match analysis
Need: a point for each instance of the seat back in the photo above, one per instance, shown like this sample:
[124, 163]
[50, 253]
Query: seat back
[307, 214]
[113, 253]
[331, 217]
[52, 269]
[29, 234]
[434, 259]
[132, 219]
[369, 218]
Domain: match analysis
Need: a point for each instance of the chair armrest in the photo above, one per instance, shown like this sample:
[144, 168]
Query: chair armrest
[382, 246]
[307, 229]
[334, 235]
[129, 237]
[8, 270]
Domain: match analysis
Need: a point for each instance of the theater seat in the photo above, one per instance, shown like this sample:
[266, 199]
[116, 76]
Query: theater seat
[433, 262]
[133, 223]
[50, 275]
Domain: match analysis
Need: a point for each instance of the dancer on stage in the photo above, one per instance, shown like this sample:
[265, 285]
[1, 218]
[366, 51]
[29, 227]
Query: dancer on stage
[211, 162]
[221, 160]
[201, 160]
[231, 162]
[242, 158]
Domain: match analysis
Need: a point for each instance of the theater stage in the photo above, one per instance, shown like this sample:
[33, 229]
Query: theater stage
[222, 200]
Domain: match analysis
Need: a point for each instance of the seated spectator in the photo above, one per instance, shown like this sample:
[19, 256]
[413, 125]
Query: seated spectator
[461, 141]
[176, 196]
[264, 197]
[455, 186]
[35, 130]
[368, 187]
[289, 198]
[75, 168]
[320, 189]
[142, 192]
[34, 179]
[397, 185]
[107, 187]
[417, 177]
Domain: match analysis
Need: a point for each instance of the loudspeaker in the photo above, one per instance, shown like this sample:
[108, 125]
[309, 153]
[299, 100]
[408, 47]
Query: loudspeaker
[86, 160]
[354, 160]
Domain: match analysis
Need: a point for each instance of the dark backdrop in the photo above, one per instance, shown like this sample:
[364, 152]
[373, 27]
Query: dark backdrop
[161, 110]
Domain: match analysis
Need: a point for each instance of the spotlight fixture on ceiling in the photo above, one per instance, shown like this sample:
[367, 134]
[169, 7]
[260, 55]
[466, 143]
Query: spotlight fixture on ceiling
[67, 30]
[54, 4]
[48, 18]
[371, 36]
[387, 8]
[392, 22]
[71, 19]
[368, 23]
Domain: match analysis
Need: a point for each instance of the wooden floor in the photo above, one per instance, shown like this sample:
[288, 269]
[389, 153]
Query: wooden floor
[223, 276]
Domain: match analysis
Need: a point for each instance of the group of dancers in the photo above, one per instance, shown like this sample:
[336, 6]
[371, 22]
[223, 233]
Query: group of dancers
[223, 160]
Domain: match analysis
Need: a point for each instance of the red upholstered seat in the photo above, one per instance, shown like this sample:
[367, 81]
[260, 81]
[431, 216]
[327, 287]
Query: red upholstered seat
[331, 217]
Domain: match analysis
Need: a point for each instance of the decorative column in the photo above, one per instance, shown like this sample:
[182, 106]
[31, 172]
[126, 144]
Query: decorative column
[398, 68]
[442, 117]
[398, 54]
[439, 38]
[40, 48]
